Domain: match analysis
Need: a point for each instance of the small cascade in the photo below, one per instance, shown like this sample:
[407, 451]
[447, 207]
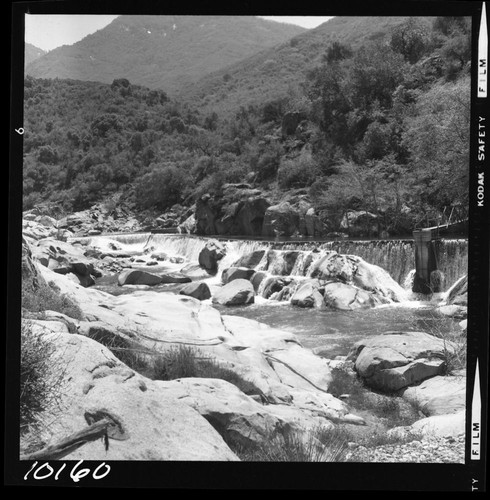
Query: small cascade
[452, 260]
[297, 258]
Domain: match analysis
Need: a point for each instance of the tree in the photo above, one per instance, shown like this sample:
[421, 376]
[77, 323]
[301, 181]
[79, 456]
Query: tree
[437, 138]
[337, 51]
[411, 39]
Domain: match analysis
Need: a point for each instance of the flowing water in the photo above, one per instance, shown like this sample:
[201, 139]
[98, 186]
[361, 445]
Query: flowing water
[328, 332]
[395, 256]
[332, 333]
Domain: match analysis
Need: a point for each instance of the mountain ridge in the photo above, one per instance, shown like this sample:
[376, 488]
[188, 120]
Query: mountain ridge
[269, 74]
[31, 53]
[162, 52]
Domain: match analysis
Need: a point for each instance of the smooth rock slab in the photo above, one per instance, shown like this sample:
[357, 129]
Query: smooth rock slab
[395, 360]
[453, 424]
[237, 292]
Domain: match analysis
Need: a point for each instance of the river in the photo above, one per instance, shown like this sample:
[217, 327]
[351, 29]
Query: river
[330, 333]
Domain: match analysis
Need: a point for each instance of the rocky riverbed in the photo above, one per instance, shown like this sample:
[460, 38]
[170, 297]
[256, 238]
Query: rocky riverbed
[207, 418]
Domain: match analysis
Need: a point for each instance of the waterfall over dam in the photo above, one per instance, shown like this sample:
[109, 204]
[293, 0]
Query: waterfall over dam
[397, 257]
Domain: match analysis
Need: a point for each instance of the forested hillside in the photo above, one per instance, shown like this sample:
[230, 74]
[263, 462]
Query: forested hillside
[380, 126]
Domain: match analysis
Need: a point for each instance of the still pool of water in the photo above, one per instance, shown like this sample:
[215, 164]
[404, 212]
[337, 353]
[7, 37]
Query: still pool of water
[333, 333]
[329, 333]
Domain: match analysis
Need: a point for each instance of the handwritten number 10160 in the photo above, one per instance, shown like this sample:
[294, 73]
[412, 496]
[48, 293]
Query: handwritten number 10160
[45, 470]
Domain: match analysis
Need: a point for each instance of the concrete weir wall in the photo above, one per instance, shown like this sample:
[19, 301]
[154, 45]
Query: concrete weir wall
[426, 260]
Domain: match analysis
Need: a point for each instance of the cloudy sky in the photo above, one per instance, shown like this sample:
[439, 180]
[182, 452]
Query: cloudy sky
[50, 31]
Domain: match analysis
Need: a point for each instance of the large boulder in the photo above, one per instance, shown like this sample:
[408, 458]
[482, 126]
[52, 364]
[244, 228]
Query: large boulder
[376, 279]
[346, 297]
[234, 273]
[281, 220]
[237, 292]
[458, 293]
[396, 360]
[210, 255]
[333, 266]
[308, 295]
[199, 291]
[274, 285]
[137, 277]
[439, 395]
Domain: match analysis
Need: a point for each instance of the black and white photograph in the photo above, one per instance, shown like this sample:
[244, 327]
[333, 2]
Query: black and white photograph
[248, 251]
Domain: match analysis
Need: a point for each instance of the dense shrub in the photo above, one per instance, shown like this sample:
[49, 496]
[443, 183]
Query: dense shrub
[41, 377]
[180, 362]
[162, 187]
[298, 172]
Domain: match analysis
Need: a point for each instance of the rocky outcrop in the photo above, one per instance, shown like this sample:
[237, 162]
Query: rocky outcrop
[236, 292]
[290, 122]
[333, 266]
[360, 223]
[396, 360]
[68, 259]
[348, 297]
[238, 211]
[280, 220]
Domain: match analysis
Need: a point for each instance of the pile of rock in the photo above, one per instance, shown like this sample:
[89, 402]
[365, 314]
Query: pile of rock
[243, 210]
[306, 279]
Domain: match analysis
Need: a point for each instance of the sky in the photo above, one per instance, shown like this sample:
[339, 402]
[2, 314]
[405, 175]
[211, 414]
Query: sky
[50, 31]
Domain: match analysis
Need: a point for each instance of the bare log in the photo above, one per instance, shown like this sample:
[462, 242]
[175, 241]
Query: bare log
[73, 442]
